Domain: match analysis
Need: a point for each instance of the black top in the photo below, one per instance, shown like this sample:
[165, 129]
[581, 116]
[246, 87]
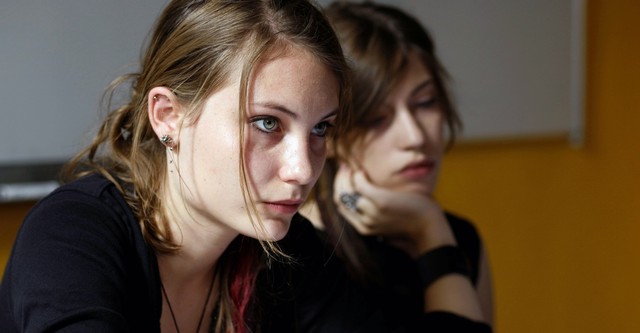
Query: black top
[326, 299]
[80, 264]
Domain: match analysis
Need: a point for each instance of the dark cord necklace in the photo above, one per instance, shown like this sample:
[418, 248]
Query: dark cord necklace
[204, 307]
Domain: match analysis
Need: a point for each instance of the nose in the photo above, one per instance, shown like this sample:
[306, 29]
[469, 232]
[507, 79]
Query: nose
[299, 164]
[410, 131]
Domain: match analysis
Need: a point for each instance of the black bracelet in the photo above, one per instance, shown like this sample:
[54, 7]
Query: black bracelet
[442, 261]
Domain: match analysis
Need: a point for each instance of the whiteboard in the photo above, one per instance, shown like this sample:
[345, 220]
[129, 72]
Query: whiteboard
[516, 65]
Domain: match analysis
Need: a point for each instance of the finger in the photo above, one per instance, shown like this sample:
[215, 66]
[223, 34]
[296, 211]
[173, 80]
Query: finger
[361, 214]
[360, 222]
[346, 195]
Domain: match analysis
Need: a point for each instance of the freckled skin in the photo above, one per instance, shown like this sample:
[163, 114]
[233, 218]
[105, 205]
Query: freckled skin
[282, 163]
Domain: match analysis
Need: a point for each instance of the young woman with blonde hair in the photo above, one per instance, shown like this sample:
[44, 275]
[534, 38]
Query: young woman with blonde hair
[160, 223]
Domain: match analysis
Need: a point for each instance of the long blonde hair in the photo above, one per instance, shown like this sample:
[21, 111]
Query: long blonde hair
[192, 49]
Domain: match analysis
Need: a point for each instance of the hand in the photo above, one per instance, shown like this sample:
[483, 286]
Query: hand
[413, 222]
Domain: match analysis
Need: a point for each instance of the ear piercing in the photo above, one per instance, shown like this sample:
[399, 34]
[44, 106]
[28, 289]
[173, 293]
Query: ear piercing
[167, 141]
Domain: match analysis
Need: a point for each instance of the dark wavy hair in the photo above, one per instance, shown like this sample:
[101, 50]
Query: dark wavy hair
[377, 41]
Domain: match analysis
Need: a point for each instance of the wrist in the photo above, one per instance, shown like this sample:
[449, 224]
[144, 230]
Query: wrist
[432, 236]
[440, 262]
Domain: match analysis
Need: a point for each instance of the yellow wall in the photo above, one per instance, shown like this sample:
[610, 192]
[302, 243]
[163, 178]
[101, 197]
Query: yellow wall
[11, 216]
[562, 225]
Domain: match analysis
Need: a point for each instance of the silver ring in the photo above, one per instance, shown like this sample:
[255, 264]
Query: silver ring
[350, 200]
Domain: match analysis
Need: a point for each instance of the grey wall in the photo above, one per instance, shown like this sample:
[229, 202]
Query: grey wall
[56, 59]
[510, 59]
[516, 64]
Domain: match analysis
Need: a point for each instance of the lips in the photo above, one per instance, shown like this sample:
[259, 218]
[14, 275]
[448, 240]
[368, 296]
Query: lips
[284, 206]
[418, 169]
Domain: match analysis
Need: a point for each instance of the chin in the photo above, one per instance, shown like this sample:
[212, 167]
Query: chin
[274, 229]
[421, 189]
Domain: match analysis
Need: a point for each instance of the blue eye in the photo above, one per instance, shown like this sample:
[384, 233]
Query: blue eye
[321, 129]
[266, 124]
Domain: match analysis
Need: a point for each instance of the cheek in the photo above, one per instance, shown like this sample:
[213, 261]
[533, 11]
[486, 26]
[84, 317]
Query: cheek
[258, 164]
[374, 160]
[433, 124]
[217, 151]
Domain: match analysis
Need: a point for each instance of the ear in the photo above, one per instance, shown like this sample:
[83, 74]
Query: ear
[165, 115]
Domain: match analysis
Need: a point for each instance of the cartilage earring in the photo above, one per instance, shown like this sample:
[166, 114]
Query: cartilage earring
[167, 141]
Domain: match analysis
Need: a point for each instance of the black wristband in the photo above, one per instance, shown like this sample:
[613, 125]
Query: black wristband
[442, 261]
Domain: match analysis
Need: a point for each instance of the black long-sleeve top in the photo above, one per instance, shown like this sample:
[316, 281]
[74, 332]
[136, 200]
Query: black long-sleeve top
[326, 299]
[80, 264]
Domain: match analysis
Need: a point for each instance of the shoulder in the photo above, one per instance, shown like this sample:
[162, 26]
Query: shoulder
[93, 189]
[93, 196]
[463, 229]
[82, 238]
[87, 211]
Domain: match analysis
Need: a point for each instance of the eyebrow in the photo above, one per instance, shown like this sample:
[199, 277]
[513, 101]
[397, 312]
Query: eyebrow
[424, 84]
[280, 108]
[428, 82]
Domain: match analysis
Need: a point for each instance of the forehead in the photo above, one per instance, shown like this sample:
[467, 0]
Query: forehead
[414, 74]
[295, 66]
[295, 80]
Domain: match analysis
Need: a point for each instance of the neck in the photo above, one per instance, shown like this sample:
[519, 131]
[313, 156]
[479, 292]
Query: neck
[187, 307]
[202, 239]
[188, 280]
[188, 274]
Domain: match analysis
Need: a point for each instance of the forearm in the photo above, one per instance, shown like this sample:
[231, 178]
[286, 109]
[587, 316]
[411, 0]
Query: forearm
[453, 293]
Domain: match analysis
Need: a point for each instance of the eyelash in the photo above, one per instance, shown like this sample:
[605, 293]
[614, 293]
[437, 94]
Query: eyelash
[255, 122]
[427, 103]
[382, 118]
[260, 120]
[377, 121]
[327, 128]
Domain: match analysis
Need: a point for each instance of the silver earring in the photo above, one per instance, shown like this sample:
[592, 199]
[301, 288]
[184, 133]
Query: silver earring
[167, 141]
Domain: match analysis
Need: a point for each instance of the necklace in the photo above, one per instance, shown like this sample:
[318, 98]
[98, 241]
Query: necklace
[204, 307]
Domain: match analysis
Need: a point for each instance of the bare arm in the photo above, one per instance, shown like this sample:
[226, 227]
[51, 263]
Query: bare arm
[484, 287]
